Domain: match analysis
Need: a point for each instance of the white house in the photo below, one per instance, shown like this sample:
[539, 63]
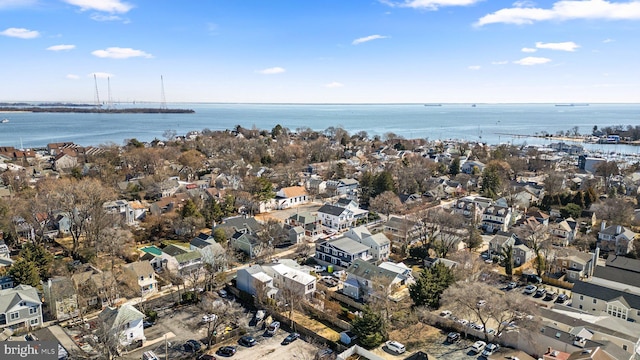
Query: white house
[615, 238]
[124, 324]
[284, 277]
[291, 196]
[496, 218]
[140, 277]
[379, 245]
[336, 217]
[342, 251]
[20, 307]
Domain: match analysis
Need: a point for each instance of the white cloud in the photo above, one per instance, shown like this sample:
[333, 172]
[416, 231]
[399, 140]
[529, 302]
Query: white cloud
[73, 76]
[501, 62]
[61, 47]
[101, 75]
[429, 4]
[120, 53]
[21, 33]
[6, 4]
[531, 60]
[368, 38]
[110, 6]
[562, 46]
[271, 71]
[528, 50]
[334, 84]
[103, 17]
[474, 67]
[565, 10]
[606, 41]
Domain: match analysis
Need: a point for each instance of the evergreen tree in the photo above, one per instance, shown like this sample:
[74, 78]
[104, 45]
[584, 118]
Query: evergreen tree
[507, 259]
[430, 284]
[490, 182]
[383, 182]
[39, 257]
[571, 210]
[454, 167]
[190, 210]
[220, 236]
[474, 238]
[370, 328]
[24, 272]
[366, 189]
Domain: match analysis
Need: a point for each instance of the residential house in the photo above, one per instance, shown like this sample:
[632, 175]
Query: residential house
[6, 282]
[122, 209]
[379, 245]
[296, 235]
[211, 252]
[20, 307]
[140, 277]
[352, 205]
[288, 279]
[96, 289]
[467, 208]
[316, 185]
[255, 281]
[402, 229]
[365, 279]
[522, 254]
[123, 324]
[575, 264]
[5, 255]
[432, 261]
[348, 187]
[180, 260]
[496, 218]
[291, 196]
[65, 161]
[472, 167]
[563, 232]
[501, 241]
[336, 217]
[61, 298]
[242, 224]
[248, 243]
[341, 252]
[311, 224]
[615, 238]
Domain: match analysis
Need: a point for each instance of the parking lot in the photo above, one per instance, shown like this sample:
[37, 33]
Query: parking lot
[270, 348]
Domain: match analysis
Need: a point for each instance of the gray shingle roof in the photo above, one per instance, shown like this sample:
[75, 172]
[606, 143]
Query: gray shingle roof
[617, 275]
[624, 263]
[117, 317]
[331, 210]
[10, 297]
[605, 293]
[367, 270]
[349, 246]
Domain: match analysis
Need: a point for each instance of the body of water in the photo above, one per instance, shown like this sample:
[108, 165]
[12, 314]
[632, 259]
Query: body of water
[490, 123]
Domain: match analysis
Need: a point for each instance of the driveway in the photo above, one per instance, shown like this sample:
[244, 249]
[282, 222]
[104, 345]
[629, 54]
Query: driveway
[270, 348]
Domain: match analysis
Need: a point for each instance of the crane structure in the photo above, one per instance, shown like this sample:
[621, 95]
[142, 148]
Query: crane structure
[163, 100]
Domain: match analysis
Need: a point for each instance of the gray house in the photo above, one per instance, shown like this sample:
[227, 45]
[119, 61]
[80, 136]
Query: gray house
[61, 298]
[20, 307]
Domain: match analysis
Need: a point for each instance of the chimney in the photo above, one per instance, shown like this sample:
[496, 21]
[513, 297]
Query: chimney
[603, 225]
[618, 229]
[594, 263]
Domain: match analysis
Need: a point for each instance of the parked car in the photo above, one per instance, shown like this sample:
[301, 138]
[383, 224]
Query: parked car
[562, 298]
[206, 357]
[247, 341]
[540, 293]
[530, 289]
[147, 324]
[223, 293]
[290, 338]
[273, 328]
[453, 337]
[550, 296]
[260, 315]
[481, 303]
[395, 346]
[512, 285]
[192, 346]
[533, 278]
[445, 313]
[209, 318]
[490, 349]
[319, 268]
[226, 351]
[478, 346]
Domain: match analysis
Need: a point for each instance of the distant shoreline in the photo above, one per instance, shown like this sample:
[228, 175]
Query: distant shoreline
[36, 109]
[577, 139]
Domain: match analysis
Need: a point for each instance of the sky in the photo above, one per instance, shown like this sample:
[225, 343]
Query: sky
[329, 51]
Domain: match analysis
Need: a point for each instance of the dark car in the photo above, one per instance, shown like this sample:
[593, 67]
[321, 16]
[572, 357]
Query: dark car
[147, 324]
[247, 341]
[226, 351]
[562, 298]
[290, 338]
[206, 357]
[192, 346]
[540, 293]
[550, 296]
[453, 337]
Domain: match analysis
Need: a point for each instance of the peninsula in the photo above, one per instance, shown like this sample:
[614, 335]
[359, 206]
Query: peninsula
[56, 109]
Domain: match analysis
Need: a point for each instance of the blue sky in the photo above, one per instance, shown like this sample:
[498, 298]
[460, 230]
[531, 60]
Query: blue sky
[329, 51]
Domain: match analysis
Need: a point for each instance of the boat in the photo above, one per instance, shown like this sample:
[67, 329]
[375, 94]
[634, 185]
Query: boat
[432, 104]
[4, 121]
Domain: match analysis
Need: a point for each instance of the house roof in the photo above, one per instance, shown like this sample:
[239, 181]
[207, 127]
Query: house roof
[294, 191]
[331, 210]
[574, 320]
[173, 250]
[358, 233]
[241, 223]
[139, 268]
[118, 317]
[292, 274]
[304, 217]
[624, 263]
[199, 243]
[618, 275]
[188, 256]
[348, 245]
[613, 230]
[10, 297]
[379, 238]
[501, 238]
[369, 271]
[60, 287]
[605, 293]
[596, 353]
[395, 222]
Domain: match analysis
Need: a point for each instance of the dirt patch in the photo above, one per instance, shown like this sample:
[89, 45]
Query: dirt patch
[416, 336]
[316, 326]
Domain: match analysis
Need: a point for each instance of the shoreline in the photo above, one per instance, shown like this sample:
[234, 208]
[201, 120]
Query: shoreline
[578, 139]
[35, 109]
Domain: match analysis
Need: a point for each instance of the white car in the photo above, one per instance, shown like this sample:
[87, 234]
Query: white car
[490, 349]
[396, 347]
[478, 346]
[209, 318]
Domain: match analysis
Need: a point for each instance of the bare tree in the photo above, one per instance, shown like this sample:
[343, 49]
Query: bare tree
[386, 203]
[220, 314]
[483, 304]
